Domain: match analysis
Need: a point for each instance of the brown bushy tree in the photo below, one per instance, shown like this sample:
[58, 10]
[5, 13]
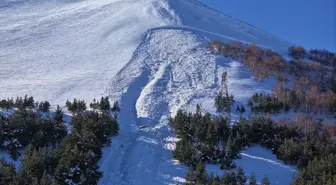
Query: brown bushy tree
[297, 52]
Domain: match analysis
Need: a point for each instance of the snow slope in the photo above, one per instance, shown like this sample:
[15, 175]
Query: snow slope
[149, 54]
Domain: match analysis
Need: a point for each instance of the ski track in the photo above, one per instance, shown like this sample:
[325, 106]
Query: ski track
[151, 55]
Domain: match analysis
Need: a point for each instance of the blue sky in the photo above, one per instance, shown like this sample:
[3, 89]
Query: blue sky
[310, 23]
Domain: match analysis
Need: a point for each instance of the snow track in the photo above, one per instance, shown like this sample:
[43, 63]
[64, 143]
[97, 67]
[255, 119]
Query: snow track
[170, 69]
[151, 55]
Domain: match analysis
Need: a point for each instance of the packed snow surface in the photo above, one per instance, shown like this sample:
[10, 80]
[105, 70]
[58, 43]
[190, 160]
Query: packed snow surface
[151, 55]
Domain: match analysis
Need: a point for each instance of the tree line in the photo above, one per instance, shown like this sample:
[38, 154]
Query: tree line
[54, 155]
[211, 139]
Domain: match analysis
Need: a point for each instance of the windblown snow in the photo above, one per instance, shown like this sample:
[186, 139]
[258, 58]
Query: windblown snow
[150, 54]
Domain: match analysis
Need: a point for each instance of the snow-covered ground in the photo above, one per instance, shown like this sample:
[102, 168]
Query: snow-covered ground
[149, 54]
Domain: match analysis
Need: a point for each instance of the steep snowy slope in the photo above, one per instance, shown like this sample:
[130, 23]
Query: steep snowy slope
[57, 50]
[149, 54]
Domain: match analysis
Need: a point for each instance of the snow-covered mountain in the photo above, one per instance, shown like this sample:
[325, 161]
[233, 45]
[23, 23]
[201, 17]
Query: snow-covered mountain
[150, 54]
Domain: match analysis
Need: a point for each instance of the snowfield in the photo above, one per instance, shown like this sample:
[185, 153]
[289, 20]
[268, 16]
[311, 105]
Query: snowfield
[151, 55]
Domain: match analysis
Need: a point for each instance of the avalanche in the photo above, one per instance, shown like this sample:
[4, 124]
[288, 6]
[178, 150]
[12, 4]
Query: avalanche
[150, 54]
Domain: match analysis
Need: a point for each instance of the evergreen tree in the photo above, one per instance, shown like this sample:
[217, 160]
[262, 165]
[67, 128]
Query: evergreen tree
[242, 109]
[7, 104]
[76, 106]
[238, 109]
[34, 164]
[190, 178]
[229, 178]
[200, 174]
[241, 178]
[105, 104]
[213, 180]
[7, 172]
[94, 105]
[265, 181]
[44, 106]
[184, 152]
[59, 115]
[115, 107]
[253, 179]
[35, 182]
[45, 180]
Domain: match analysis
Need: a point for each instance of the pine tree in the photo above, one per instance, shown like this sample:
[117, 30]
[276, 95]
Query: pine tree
[45, 180]
[200, 173]
[44, 106]
[265, 181]
[190, 178]
[241, 178]
[34, 164]
[59, 115]
[7, 172]
[94, 105]
[35, 182]
[115, 107]
[253, 179]
[242, 109]
[105, 104]
[220, 102]
[238, 109]
[213, 180]
[229, 178]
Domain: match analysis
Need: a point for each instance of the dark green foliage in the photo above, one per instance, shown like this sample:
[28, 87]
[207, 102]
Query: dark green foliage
[45, 180]
[103, 104]
[190, 178]
[268, 104]
[26, 102]
[7, 172]
[115, 107]
[27, 126]
[34, 164]
[101, 125]
[197, 176]
[185, 152]
[76, 106]
[53, 155]
[199, 133]
[200, 174]
[59, 115]
[318, 171]
[224, 103]
[240, 109]
[7, 103]
[288, 142]
[289, 151]
[44, 106]
[229, 178]
[241, 178]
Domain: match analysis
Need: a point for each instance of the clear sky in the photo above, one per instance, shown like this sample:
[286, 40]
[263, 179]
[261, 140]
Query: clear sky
[310, 23]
